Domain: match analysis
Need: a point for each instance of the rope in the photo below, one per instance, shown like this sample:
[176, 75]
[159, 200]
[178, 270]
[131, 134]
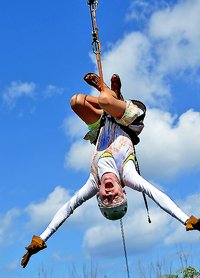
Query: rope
[93, 4]
[124, 245]
[144, 196]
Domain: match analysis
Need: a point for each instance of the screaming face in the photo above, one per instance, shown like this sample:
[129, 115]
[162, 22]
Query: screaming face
[111, 192]
[111, 197]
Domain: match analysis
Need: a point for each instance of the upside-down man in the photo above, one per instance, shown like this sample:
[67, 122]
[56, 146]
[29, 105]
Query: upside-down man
[114, 125]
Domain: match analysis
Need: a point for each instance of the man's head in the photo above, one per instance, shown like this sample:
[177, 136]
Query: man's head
[111, 198]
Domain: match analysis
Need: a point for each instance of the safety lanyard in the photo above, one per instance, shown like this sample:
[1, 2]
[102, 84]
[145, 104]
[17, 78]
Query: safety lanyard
[96, 46]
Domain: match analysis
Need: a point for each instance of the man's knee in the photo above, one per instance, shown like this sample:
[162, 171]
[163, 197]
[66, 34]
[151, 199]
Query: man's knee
[77, 100]
[104, 99]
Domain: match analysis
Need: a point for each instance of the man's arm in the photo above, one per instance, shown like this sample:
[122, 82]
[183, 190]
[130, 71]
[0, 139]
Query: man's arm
[38, 242]
[85, 193]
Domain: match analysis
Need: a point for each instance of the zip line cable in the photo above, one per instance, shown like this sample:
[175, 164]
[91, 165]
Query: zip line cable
[96, 46]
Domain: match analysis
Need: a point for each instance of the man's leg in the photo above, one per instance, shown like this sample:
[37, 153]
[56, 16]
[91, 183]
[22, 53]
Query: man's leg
[86, 107]
[90, 108]
[111, 100]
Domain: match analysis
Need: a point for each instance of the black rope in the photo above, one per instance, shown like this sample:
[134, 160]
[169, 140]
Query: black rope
[144, 196]
[124, 245]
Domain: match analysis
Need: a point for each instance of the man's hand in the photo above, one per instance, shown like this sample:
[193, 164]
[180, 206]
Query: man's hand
[37, 244]
[25, 259]
[193, 223]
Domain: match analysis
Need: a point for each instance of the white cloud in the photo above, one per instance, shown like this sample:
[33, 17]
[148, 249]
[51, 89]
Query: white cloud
[82, 216]
[140, 10]
[42, 212]
[6, 223]
[173, 19]
[170, 145]
[52, 90]
[135, 9]
[12, 265]
[74, 127]
[61, 257]
[137, 69]
[80, 152]
[16, 90]
[79, 155]
[191, 205]
[177, 35]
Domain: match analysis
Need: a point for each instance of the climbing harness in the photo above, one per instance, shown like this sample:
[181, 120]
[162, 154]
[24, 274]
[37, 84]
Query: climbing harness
[96, 46]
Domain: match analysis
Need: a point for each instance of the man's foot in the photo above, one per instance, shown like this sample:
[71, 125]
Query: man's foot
[192, 223]
[116, 85]
[37, 244]
[94, 80]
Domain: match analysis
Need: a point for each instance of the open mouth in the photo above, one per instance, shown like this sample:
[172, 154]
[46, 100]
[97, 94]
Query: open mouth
[109, 186]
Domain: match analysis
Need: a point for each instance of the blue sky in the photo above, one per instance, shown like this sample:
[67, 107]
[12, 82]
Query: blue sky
[45, 51]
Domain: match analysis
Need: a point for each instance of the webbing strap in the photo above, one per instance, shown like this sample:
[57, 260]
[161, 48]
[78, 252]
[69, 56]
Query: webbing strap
[144, 196]
[106, 154]
[130, 157]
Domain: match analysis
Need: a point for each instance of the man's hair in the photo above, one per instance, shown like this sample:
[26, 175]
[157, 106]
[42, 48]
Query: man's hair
[113, 212]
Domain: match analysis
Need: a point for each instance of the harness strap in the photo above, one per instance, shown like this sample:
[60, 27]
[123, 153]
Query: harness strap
[106, 154]
[144, 196]
[130, 157]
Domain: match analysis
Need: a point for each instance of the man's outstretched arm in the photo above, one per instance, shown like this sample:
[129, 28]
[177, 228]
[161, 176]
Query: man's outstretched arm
[38, 243]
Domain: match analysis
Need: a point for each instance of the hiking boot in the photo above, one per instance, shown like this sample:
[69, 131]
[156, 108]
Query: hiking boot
[94, 80]
[192, 223]
[116, 85]
[37, 244]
